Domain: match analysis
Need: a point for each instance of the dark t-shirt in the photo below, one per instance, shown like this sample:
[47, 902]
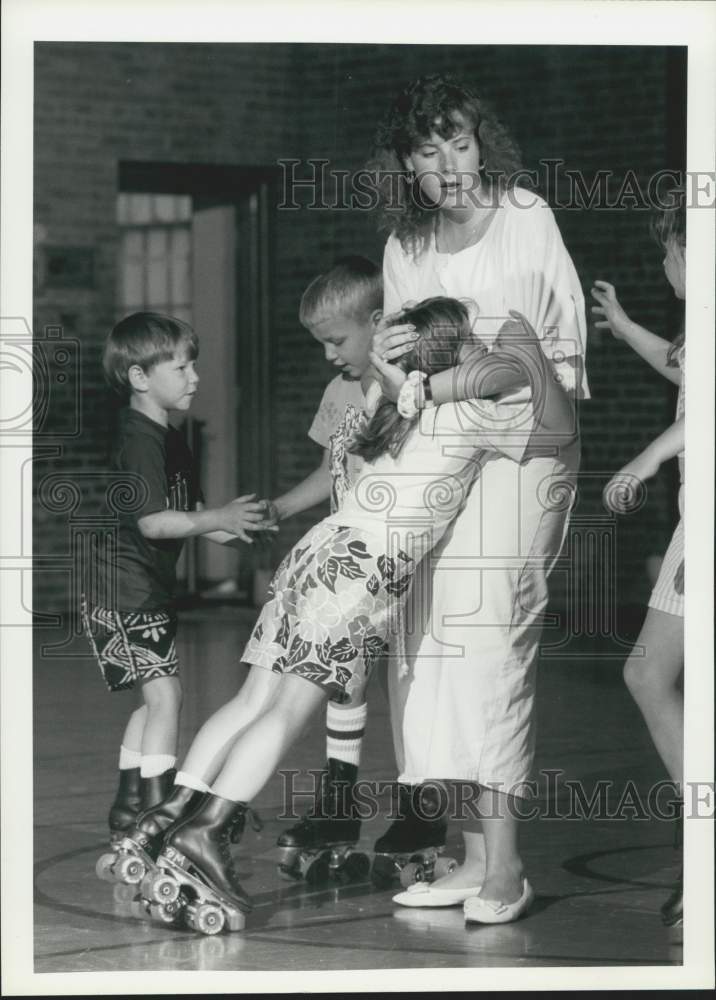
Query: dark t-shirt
[141, 575]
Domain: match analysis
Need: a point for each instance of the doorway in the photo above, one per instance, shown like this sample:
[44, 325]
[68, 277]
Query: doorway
[195, 242]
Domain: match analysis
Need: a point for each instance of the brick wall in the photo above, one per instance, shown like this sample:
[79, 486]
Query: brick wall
[249, 105]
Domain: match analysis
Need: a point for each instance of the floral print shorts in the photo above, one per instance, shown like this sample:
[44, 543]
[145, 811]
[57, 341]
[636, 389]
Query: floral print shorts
[131, 646]
[331, 607]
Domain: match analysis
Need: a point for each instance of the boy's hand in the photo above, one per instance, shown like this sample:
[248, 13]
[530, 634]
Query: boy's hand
[614, 316]
[625, 492]
[271, 514]
[392, 340]
[244, 514]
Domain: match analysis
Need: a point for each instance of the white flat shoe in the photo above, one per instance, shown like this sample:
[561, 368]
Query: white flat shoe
[491, 911]
[424, 894]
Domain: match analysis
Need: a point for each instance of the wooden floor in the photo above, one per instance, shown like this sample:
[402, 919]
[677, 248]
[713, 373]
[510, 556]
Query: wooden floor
[599, 883]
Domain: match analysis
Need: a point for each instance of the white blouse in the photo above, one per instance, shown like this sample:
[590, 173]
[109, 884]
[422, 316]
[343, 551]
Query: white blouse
[520, 263]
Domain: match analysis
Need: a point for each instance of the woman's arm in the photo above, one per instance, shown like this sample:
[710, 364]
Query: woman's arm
[654, 350]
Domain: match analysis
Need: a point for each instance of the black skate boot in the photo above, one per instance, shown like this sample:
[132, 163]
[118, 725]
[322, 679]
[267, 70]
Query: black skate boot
[133, 854]
[411, 846]
[155, 790]
[672, 912]
[127, 802]
[320, 845]
[197, 871]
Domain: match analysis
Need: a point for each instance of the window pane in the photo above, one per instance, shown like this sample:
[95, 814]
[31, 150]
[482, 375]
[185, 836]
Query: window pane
[163, 208]
[180, 242]
[140, 208]
[122, 209]
[157, 293]
[180, 280]
[183, 207]
[157, 243]
[132, 243]
[132, 284]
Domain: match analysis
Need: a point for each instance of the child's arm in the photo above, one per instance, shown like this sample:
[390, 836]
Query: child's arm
[314, 489]
[236, 518]
[622, 489]
[654, 350]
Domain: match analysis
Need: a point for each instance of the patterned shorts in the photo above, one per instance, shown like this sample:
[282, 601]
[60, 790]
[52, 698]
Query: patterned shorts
[131, 646]
[332, 605]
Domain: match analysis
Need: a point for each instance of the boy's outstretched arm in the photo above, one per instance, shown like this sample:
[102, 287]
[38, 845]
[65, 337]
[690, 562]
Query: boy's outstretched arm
[654, 350]
[236, 518]
[314, 489]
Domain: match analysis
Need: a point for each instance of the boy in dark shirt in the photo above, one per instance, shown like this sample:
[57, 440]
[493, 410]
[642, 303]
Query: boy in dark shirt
[128, 605]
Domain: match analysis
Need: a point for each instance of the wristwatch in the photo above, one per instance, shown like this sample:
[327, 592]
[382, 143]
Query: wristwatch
[427, 394]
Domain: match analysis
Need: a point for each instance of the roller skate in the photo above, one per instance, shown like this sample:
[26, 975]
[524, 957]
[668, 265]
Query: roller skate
[128, 861]
[127, 804]
[411, 848]
[321, 846]
[195, 880]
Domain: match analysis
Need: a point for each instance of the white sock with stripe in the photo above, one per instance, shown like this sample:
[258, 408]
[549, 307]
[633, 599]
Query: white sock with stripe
[344, 732]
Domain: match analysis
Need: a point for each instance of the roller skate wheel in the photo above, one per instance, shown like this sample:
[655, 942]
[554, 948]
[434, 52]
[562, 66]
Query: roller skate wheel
[235, 922]
[137, 909]
[145, 886]
[288, 872]
[164, 889]
[162, 914]
[105, 867]
[443, 866]
[130, 870]
[316, 870]
[209, 918]
[356, 868]
[123, 893]
[411, 873]
[382, 872]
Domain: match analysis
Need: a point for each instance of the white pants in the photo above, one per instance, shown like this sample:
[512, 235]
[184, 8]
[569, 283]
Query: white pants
[462, 699]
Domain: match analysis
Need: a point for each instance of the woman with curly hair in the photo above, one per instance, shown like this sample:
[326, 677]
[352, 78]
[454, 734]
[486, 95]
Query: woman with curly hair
[462, 702]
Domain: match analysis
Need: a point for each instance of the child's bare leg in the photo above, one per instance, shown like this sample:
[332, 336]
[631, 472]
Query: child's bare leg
[134, 730]
[257, 753]
[653, 680]
[212, 744]
[162, 698]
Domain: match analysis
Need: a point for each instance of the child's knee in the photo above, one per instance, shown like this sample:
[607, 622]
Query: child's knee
[163, 693]
[634, 675]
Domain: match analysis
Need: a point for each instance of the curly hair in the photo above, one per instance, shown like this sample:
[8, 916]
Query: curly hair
[444, 326]
[443, 105]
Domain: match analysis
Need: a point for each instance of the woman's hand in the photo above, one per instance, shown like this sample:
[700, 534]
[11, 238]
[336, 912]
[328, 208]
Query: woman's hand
[389, 377]
[392, 340]
[625, 491]
[613, 315]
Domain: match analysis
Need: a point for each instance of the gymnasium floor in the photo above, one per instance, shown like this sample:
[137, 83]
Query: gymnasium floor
[599, 883]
